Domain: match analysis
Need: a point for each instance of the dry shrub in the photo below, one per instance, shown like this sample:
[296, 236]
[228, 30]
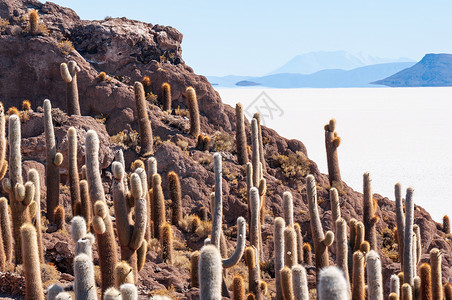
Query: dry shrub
[126, 139]
[3, 24]
[294, 166]
[65, 47]
[223, 142]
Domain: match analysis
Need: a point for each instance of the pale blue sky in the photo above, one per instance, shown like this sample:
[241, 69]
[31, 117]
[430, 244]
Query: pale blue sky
[256, 37]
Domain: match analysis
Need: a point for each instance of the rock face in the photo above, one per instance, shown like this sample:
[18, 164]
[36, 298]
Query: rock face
[128, 50]
[432, 70]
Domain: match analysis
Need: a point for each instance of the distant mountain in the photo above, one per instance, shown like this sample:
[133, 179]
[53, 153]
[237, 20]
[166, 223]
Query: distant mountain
[358, 77]
[432, 70]
[323, 60]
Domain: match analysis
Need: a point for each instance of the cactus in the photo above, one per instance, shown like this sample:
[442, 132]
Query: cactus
[69, 74]
[417, 288]
[255, 226]
[288, 208]
[158, 205]
[147, 195]
[332, 142]
[393, 296]
[278, 238]
[352, 223]
[131, 235]
[448, 291]
[240, 247]
[86, 206]
[369, 216]
[408, 274]
[407, 292]
[300, 254]
[417, 234]
[290, 247]
[255, 157]
[128, 291]
[252, 261]
[5, 223]
[144, 124]
[307, 254]
[166, 96]
[300, 283]
[435, 262]
[446, 224]
[151, 169]
[20, 196]
[33, 22]
[263, 169]
[400, 221]
[335, 207]
[374, 277]
[425, 272]
[286, 283]
[84, 284]
[394, 286]
[59, 218]
[342, 247]
[33, 176]
[240, 138]
[74, 180]
[53, 162]
[167, 243]
[3, 143]
[360, 234]
[112, 294]
[358, 276]
[321, 241]
[210, 273]
[53, 291]
[31, 264]
[217, 211]
[238, 288]
[175, 196]
[364, 247]
[332, 284]
[194, 259]
[123, 274]
[192, 101]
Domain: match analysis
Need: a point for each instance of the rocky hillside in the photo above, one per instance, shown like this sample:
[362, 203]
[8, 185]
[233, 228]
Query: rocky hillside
[127, 51]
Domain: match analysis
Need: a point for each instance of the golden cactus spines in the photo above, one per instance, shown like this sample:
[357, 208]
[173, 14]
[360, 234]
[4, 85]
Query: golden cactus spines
[31, 264]
[195, 126]
[166, 96]
[238, 288]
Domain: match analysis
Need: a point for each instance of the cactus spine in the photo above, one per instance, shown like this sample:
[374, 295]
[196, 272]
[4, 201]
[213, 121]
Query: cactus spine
[84, 284]
[69, 74]
[210, 273]
[195, 126]
[123, 274]
[358, 276]
[175, 196]
[158, 201]
[407, 292]
[278, 238]
[74, 180]
[435, 262]
[290, 247]
[335, 207]
[321, 241]
[238, 288]
[86, 206]
[332, 142]
[300, 283]
[286, 283]
[446, 224]
[408, 274]
[342, 247]
[332, 284]
[53, 162]
[32, 267]
[167, 244]
[394, 286]
[400, 221]
[144, 124]
[194, 260]
[374, 277]
[166, 96]
[240, 138]
[425, 273]
[5, 223]
[288, 208]
[252, 261]
[370, 218]
[60, 218]
[307, 254]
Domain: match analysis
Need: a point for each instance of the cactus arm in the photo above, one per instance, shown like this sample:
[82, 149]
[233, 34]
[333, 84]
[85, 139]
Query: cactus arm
[240, 247]
[217, 215]
[120, 204]
[255, 151]
[144, 124]
[139, 229]
[210, 273]
[408, 252]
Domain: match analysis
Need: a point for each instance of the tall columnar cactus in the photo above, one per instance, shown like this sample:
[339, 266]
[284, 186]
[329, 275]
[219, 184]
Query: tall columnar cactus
[369, 217]
[332, 142]
[175, 196]
[300, 254]
[53, 291]
[5, 223]
[86, 206]
[84, 283]
[435, 262]
[131, 234]
[20, 196]
[263, 168]
[321, 241]
[394, 286]
[288, 208]
[240, 247]
[290, 247]
[400, 221]
[238, 288]
[53, 161]
[417, 234]
[210, 273]
[425, 273]
[144, 124]
[352, 223]
[358, 276]
[74, 180]
[360, 234]
[286, 283]
[147, 195]
[446, 224]
[252, 261]
[255, 226]
[278, 239]
[123, 274]
[255, 157]
[192, 101]
[69, 74]
[335, 207]
[151, 169]
[31, 264]
[342, 247]
[300, 283]
[166, 96]
[448, 291]
[33, 176]
[240, 137]
[332, 284]
[217, 212]
[3, 143]
[60, 218]
[393, 296]
[194, 259]
[408, 269]
[407, 292]
[167, 243]
[158, 205]
[374, 277]
[307, 254]
[33, 22]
